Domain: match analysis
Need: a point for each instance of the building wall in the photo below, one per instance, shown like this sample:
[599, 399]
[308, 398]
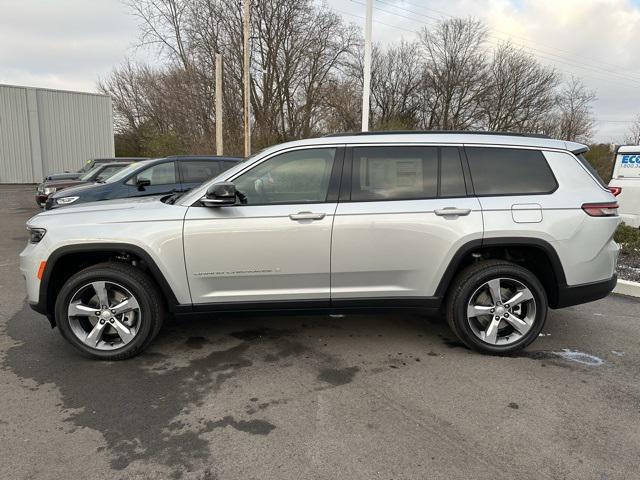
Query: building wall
[47, 131]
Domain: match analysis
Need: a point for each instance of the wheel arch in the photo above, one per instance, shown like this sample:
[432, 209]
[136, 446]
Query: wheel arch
[60, 265]
[536, 254]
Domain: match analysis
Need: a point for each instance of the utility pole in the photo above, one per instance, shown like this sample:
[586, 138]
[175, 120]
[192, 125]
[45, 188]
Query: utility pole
[219, 113]
[367, 67]
[247, 126]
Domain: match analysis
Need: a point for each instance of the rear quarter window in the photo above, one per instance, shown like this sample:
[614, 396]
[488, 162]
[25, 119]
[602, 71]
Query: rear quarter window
[509, 171]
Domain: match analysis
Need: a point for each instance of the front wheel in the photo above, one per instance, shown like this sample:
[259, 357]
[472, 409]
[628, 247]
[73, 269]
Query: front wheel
[496, 307]
[109, 311]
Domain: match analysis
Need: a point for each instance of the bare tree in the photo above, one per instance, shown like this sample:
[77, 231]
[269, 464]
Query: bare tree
[575, 119]
[396, 80]
[632, 136]
[455, 72]
[520, 92]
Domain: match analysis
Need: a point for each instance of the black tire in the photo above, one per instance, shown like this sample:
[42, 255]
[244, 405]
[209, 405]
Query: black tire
[138, 283]
[469, 280]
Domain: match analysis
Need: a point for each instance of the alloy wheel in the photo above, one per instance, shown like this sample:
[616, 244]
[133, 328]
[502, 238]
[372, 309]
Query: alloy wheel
[501, 311]
[104, 315]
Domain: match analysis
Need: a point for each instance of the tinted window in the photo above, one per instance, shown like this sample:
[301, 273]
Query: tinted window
[591, 170]
[509, 171]
[451, 177]
[161, 174]
[198, 171]
[394, 173]
[107, 172]
[301, 176]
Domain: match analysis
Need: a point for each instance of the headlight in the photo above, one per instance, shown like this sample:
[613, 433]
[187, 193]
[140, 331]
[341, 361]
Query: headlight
[66, 200]
[49, 190]
[36, 234]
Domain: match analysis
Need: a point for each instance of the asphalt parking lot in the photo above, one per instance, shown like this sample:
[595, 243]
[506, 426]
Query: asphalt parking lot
[355, 397]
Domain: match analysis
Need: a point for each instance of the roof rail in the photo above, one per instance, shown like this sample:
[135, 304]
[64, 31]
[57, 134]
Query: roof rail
[437, 132]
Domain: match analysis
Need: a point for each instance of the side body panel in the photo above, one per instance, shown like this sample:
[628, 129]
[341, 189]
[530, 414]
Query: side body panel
[584, 244]
[397, 248]
[257, 253]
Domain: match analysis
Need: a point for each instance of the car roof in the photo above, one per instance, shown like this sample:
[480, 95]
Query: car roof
[440, 137]
[204, 157]
[629, 148]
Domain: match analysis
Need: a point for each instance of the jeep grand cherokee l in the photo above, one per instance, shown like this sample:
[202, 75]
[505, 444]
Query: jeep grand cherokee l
[489, 229]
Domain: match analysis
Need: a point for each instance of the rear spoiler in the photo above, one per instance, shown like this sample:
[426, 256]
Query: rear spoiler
[578, 151]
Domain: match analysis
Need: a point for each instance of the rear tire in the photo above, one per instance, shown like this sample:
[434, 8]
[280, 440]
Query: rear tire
[102, 331]
[479, 313]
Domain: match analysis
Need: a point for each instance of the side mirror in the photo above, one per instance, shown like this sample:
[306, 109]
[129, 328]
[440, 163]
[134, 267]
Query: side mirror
[220, 194]
[143, 182]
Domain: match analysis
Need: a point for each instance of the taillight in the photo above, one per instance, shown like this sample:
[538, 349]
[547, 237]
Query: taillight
[615, 190]
[601, 209]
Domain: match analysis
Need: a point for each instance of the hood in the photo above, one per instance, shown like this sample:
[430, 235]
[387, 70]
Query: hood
[78, 190]
[63, 176]
[121, 210]
[58, 184]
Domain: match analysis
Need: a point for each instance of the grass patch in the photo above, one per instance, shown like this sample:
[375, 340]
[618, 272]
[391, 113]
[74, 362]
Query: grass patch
[628, 238]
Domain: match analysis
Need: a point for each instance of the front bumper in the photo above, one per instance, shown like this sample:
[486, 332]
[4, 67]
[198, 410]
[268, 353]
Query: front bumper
[569, 295]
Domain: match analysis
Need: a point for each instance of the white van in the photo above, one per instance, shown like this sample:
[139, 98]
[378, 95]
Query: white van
[625, 183]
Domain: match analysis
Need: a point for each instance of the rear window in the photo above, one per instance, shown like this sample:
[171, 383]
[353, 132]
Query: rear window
[509, 171]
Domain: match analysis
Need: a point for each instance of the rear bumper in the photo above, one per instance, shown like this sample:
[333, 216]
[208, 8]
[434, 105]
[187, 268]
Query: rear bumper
[569, 295]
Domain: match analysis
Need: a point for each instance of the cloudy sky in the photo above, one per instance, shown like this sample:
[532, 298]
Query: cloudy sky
[69, 44]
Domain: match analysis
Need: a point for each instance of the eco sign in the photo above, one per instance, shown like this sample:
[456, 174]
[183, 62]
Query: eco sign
[630, 161]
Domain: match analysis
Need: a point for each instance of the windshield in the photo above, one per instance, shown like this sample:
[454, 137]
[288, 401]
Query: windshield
[125, 172]
[87, 166]
[87, 176]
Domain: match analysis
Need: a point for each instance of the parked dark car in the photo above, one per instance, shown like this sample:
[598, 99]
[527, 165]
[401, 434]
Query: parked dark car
[98, 174]
[89, 164]
[147, 177]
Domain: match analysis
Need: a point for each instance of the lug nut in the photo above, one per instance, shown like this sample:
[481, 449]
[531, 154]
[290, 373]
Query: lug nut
[506, 315]
[497, 318]
[101, 322]
[492, 310]
[113, 311]
[97, 314]
[506, 306]
[111, 320]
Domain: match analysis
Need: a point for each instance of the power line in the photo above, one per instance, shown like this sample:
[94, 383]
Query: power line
[619, 81]
[529, 39]
[561, 59]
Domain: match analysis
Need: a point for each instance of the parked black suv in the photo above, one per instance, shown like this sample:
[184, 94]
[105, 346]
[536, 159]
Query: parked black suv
[148, 177]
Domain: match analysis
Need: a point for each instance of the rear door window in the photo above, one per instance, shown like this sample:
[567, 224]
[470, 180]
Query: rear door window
[509, 171]
[197, 171]
[406, 173]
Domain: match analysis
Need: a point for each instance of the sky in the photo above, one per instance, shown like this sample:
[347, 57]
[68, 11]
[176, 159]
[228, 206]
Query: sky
[70, 44]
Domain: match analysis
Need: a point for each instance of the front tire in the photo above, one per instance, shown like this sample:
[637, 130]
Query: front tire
[496, 307]
[109, 311]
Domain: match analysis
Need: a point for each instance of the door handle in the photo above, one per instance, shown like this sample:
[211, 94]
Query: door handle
[307, 216]
[452, 211]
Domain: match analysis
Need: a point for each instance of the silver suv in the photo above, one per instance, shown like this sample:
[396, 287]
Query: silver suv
[487, 229]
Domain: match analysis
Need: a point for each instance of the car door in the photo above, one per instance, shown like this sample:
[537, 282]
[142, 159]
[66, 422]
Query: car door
[194, 172]
[163, 178]
[403, 213]
[273, 245]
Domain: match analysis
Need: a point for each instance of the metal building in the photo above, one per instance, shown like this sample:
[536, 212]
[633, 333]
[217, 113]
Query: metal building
[46, 131]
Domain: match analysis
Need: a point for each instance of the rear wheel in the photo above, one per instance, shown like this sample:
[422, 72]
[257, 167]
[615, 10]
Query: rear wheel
[496, 307]
[109, 311]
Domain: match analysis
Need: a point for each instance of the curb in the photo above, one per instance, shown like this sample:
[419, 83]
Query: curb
[626, 287]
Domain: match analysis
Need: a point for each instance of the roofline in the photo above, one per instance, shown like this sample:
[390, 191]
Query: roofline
[57, 90]
[438, 132]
